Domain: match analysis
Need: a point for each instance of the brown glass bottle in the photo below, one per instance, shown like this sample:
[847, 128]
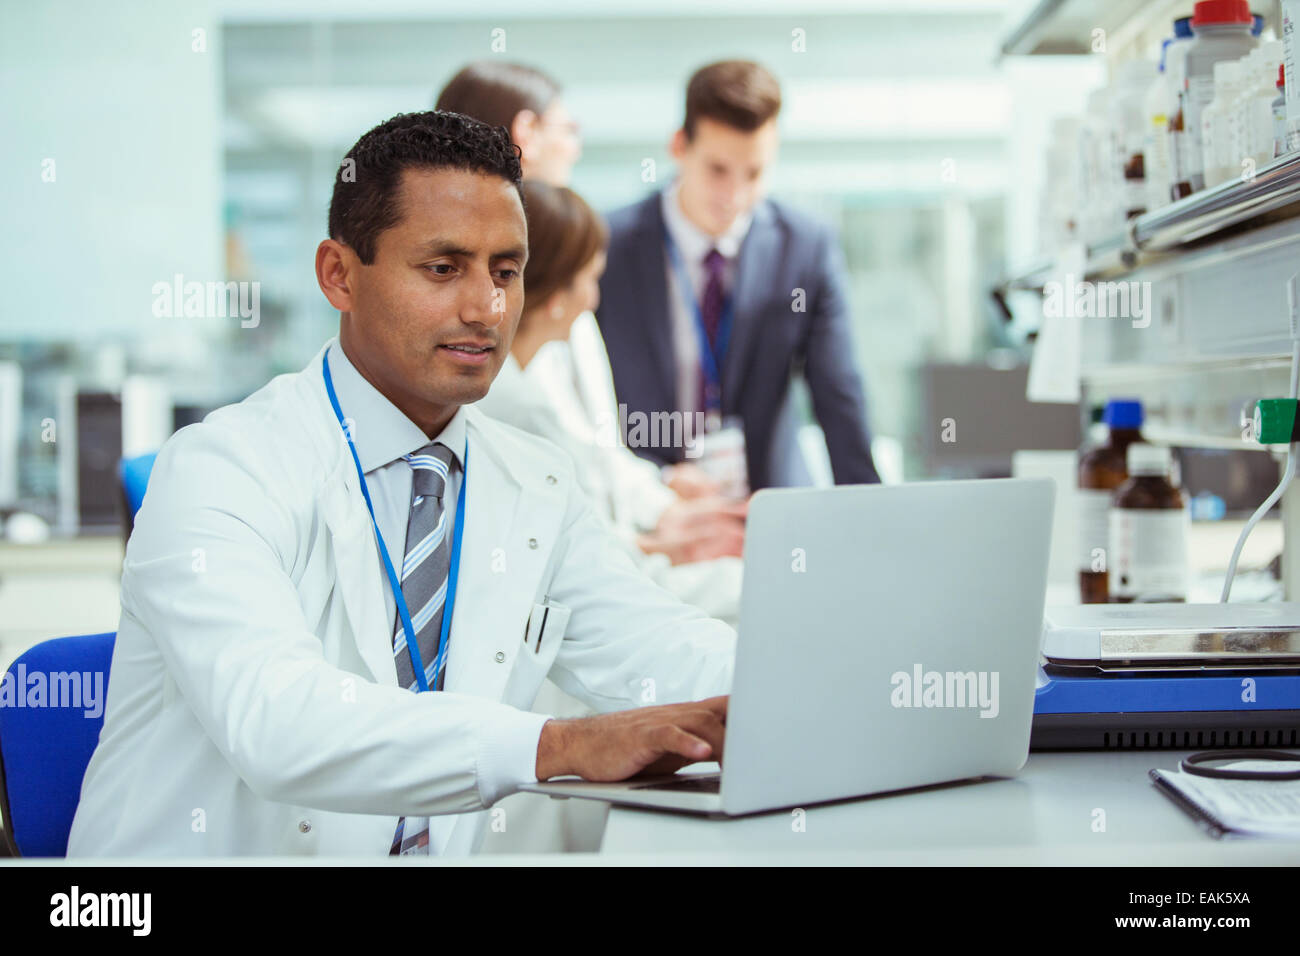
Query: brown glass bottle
[1135, 172]
[1181, 187]
[1101, 470]
[1149, 530]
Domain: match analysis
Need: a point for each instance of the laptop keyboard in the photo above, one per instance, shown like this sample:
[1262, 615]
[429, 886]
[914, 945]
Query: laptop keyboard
[697, 783]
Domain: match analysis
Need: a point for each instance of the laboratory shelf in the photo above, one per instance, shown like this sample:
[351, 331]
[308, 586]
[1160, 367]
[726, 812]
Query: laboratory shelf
[1067, 27]
[1274, 189]
[1218, 213]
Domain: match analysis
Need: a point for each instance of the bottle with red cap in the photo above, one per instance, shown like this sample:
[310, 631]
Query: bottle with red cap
[1279, 115]
[1221, 31]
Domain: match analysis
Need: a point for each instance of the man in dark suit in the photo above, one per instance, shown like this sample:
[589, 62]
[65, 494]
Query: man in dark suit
[709, 259]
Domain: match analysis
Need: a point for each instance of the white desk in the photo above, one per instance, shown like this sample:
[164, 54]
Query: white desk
[1045, 815]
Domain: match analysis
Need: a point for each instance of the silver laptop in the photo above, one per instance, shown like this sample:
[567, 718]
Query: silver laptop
[889, 639]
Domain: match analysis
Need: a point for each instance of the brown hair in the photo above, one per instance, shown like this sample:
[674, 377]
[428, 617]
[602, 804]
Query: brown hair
[495, 93]
[564, 233]
[740, 93]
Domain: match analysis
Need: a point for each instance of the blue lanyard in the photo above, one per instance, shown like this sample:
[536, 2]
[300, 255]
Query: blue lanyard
[711, 357]
[412, 645]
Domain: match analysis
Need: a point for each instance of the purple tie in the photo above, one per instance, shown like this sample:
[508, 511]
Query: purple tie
[711, 311]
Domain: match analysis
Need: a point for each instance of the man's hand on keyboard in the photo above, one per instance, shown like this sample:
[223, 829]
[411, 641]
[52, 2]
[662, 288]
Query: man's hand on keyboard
[628, 743]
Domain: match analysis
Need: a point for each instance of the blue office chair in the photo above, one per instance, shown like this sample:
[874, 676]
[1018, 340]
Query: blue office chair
[44, 749]
[134, 475]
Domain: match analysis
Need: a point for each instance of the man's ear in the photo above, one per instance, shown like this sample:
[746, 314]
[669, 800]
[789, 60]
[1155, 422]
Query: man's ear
[336, 266]
[677, 145]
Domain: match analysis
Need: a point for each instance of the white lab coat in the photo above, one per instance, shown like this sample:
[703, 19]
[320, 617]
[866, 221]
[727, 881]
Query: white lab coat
[566, 395]
[253, 705]
[576, 386]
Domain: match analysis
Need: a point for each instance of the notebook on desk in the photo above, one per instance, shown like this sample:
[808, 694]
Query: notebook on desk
[1236, 808]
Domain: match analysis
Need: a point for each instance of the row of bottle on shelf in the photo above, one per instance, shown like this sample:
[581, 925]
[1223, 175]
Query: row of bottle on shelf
[1214, 104]
[1133, 519]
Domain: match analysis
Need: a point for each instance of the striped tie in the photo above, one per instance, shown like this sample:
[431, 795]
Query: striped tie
[424, 586]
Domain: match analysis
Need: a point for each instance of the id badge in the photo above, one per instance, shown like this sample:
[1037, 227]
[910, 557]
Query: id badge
[722, 457]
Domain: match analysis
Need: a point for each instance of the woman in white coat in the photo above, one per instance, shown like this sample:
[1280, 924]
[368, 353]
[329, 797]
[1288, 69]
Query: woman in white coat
[690, 546]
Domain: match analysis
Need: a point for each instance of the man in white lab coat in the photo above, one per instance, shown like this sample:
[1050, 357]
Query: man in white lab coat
[260, 699]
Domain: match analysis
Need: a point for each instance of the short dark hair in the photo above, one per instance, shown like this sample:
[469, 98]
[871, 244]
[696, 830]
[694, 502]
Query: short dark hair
[364, 203]
[497, 92]
[738, 93]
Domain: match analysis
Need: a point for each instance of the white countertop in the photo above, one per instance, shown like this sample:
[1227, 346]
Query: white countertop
[1045, 815]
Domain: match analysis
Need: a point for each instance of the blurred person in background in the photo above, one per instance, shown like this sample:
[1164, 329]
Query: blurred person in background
[528, 104]
[576, 370]
[713, 295]
[695, 545]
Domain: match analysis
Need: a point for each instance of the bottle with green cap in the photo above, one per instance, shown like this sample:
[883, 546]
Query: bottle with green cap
[1102, 469]
[1149, 529]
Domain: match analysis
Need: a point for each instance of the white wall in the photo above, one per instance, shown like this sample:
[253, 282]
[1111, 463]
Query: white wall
[115, 95]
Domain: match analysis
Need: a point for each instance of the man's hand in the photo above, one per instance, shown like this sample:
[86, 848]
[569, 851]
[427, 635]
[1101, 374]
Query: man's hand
[698, 530]
[645, 740]
[691, 481]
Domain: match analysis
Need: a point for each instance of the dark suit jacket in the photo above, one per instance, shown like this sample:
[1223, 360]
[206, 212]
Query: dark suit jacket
[782, 251]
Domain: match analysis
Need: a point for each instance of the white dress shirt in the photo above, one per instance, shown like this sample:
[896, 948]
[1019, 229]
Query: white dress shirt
[383, 434]
[693, 243]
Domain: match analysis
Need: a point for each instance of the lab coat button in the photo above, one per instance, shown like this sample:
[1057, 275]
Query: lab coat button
[501, 657]
[532, 543]
[550, 479]
[304, 826]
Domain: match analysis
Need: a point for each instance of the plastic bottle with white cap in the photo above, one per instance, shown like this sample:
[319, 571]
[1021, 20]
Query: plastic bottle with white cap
[1256, 105]
[1221, 30]
[1164, 132]
[1171, 107]
[1217, 149]
[1128, 130]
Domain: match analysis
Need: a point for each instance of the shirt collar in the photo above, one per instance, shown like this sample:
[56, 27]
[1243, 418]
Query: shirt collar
[693, 241]
[381, 431]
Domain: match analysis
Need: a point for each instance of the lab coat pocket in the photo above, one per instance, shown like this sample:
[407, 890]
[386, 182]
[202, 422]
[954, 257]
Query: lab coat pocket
[543, 631]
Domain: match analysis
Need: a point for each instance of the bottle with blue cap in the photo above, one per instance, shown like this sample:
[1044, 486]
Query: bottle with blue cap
[1102, 469]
